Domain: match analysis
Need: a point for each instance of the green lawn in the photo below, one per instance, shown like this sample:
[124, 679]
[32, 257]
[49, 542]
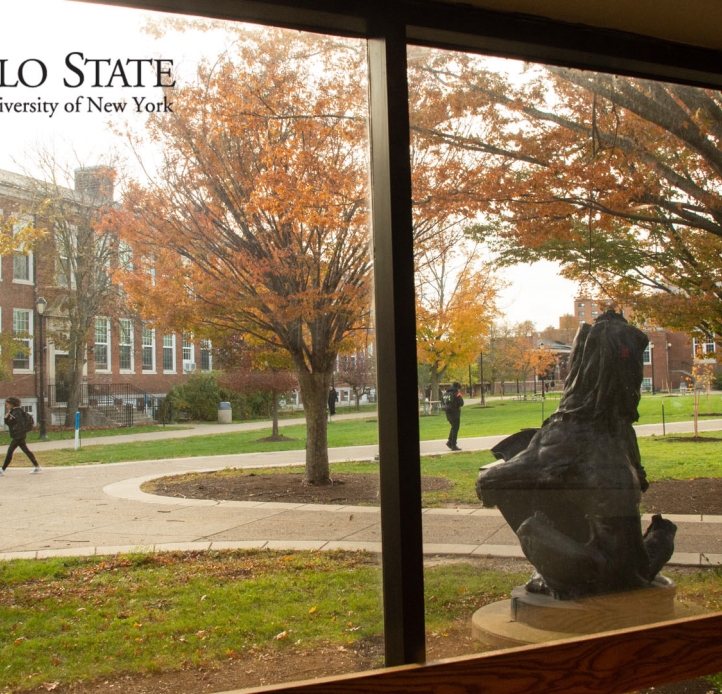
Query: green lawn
[68, 434]
[67, 620]
[506, 418]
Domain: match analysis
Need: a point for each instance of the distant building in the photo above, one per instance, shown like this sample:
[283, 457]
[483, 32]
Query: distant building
[122, 351]
[668, 359]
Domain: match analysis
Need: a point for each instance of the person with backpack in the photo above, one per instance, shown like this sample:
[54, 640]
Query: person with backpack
[453, 402]
[20, 424]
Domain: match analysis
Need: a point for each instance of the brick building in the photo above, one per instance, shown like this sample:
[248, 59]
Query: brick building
[121, 350]
[668, 359]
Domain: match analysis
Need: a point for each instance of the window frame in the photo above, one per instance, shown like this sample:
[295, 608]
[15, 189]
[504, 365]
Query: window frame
[147, 333]
[29, 342]
[106, 344]
[173, 357]
[639, 657]
[123, 331]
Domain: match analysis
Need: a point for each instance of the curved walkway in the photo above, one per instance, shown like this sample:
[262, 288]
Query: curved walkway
[100, 509]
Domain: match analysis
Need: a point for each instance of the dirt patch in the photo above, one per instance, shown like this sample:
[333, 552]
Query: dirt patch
[703, 496]
[699, 496]
[357, 489]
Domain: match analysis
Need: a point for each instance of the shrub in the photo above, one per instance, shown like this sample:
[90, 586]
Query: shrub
[197, 398]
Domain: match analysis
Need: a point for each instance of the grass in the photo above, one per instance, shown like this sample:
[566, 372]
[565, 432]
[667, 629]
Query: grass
[69, 434]
[74, 619]
[67, 620]
[506, 418]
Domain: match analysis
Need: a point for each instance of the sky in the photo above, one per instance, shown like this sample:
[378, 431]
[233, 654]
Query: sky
[49, 32]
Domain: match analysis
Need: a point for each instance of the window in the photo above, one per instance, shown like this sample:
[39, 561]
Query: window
[703, 348]
[169, 353]
[125, 345]
[66, 242]
[148, 345]
[581, 313]
[581, 304]
[647, 356]
[206, 356]
[595, 313]
[102, 344]
[22, 262]
[646, 385]
[23, 329]
[188, 358]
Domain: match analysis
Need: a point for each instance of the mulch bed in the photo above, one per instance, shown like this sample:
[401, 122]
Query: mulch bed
[699, 496]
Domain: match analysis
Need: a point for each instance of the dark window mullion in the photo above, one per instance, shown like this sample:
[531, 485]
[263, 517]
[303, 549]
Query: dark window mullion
[402, 551]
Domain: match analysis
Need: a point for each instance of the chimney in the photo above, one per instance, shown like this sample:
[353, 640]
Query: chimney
[95, 183]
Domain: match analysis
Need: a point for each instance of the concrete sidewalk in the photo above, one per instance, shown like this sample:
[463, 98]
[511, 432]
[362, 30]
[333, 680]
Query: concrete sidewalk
[99, 509]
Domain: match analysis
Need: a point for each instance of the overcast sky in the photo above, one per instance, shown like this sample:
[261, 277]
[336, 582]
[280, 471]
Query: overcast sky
[48, 31]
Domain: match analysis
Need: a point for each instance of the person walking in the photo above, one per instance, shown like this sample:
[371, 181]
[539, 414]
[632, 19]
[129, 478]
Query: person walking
[17, 421]
[453, 402]
[332, 400]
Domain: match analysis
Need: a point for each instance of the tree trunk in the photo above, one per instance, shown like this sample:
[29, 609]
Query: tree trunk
[274, 413]
[314, 391]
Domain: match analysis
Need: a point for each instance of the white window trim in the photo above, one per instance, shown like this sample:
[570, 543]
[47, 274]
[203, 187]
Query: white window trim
[30, 339]
[152, 346]
[131, 370]
[31, 258]
[172, 347]
[647, 356]
[210, 355]
[109, 368]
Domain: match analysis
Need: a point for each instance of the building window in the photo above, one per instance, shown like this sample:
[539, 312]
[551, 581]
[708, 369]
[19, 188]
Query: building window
[581, 313]
[702, 348]
[647, 355]
[169, 353]
[206, 357]
[646, 385]
[148, 342]
[102, 344]
[581, 304]
[22, 262]
[23, 330]
[595, 313]
[125, 345]
[188, 360]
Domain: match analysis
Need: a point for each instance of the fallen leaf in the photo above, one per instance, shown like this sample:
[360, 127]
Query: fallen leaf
[50, 685]
[282, 635]
[312, 610]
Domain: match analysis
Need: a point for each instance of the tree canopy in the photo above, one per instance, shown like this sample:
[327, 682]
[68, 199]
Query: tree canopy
[256, 222]
[618, 179]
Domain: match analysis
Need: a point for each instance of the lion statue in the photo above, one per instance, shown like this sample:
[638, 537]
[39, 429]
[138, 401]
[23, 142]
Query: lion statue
[571, 489]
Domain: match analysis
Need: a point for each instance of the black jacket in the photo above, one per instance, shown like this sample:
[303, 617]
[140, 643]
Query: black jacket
[453, 403]
[15, 419]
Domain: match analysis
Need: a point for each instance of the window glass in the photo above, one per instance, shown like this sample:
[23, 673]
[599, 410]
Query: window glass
[125, 344]
[201, 182]
[534, 187]
[102, 341]
[22, 329]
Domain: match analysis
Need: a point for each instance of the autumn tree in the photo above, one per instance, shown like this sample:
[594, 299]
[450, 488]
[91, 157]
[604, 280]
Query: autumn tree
[568, 326]
[455, 297]
[616, 178]
[249, 366]
[81, 245]
[256, 220]
[358, 370]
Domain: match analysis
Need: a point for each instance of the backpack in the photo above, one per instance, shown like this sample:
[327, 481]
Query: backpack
[447, 401]
[27, 422]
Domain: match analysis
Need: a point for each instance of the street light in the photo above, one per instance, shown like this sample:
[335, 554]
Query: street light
[40, 306]
[651, 359]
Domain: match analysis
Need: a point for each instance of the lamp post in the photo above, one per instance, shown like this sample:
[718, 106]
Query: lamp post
[40, 306]
[651, 359]
[669, 385]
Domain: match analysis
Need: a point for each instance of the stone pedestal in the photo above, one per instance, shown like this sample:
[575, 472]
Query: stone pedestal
[530, 618]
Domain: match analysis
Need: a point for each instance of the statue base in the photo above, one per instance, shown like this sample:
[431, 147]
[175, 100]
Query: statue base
[530, 618]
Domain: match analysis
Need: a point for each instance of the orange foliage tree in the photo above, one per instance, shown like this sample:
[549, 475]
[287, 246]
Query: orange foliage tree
[455, 305]
[256, 222]
[616, 178]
